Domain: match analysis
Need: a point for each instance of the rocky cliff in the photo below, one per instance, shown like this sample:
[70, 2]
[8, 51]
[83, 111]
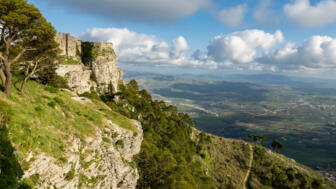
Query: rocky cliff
[88, 65]
[97, 164]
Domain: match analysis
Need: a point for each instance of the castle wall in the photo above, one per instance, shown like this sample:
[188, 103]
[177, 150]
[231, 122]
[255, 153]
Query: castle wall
[103, 75]
[69, 44]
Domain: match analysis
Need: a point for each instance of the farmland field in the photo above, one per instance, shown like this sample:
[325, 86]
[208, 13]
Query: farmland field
[302, 115]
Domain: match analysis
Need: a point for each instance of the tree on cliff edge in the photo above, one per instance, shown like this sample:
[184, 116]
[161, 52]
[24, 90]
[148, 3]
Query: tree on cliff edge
[277, 145]
[21, 25]
[44, 56]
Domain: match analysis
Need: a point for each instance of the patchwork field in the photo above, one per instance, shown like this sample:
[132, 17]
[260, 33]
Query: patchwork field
[301, 114]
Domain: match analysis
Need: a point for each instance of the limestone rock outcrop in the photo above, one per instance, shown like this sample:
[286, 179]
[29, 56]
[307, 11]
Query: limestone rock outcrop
[102, 162]
[100, 74]
[106, 73]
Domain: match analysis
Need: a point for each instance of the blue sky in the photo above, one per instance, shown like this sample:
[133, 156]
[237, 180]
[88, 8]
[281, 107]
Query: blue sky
[204, 25]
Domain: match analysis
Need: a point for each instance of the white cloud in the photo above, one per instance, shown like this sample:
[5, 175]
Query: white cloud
[241, 47]
[315, 54]
[232, 17]
[244, 50]
[179, 45]
[132, 47]
[307, 15]
[143, 10]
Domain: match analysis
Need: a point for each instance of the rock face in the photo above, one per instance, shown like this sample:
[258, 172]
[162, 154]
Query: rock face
[101, 74]
[104, 68]
[101, 162]
[78, 77]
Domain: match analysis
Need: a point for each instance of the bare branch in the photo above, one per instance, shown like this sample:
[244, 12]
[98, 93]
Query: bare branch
[2, 76]
[18, 56]
[1, 57]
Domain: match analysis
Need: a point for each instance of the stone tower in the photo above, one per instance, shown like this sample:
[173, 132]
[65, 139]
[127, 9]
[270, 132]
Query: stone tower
[102, 74]
[70, 46]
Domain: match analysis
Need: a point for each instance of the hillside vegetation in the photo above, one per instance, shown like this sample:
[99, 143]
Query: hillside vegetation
[45, 120]
[174, 155]
[52, 138]
[230, 159]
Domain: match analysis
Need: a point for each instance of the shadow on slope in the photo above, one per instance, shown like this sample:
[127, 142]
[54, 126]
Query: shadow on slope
[10, 169]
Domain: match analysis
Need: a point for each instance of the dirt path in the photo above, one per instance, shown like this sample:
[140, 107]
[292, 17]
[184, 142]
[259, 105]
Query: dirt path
[249, 167]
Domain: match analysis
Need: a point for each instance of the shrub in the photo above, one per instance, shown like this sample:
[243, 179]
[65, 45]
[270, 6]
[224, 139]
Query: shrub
[107, 140]
[91, 95]
[71, 61]
[48, 76]
[51, 89]
[70, 175]
[115, 135]
[87, 53]
[38, 109]
[52, 104]
[35, 178]
[63, 159]
[120, 143]
[59, 101]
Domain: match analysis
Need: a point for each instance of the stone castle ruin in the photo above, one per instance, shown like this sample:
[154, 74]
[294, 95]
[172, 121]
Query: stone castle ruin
[88, 65]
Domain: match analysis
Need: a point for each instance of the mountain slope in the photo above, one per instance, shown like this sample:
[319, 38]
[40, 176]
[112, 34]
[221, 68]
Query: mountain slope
[230, 163]
[65, 141]
[215, 161]
[51, 137]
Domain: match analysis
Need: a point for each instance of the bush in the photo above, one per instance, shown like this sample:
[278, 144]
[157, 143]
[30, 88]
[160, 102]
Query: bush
[71, 61]
[87, 53]
[107, 140]
[48, 76]
[120, 143]
[38, 109]
[59, 101]
[70, 175]
[115, 135]
[51, 89]
[91, 95]
[52, 104]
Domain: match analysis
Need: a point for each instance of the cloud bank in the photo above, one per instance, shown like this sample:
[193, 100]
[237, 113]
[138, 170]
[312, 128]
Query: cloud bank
[135, 48]
[140, 10]
[241, 47]
[243, 50]
[307, 15]
[315, 54]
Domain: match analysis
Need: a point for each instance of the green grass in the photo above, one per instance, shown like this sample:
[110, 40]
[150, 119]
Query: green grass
[226, 160]
[45, 119]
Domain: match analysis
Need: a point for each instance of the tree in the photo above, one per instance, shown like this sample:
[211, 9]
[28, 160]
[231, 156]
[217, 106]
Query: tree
[277, 145]
[44, 56]
[259, 139]
[21, 24]
[134, 85]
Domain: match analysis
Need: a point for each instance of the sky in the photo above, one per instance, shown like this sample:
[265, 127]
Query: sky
[215, 36]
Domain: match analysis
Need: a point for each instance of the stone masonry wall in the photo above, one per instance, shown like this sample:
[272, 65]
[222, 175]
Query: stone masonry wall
[69, 44]
[103, 75]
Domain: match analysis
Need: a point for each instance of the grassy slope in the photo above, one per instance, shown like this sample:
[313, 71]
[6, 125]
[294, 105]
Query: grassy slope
[38, 127]
[227, 163]
[44, 119]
